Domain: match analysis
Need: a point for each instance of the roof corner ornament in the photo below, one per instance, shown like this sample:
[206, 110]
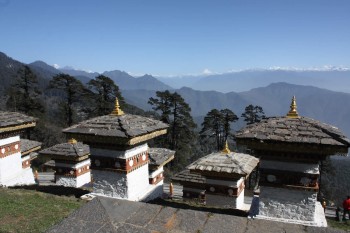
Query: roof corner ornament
[293, 109]
[226, 150]
[117, 111]
[72, 141]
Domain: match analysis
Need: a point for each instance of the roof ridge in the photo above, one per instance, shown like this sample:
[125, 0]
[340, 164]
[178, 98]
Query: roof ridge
[122, 128]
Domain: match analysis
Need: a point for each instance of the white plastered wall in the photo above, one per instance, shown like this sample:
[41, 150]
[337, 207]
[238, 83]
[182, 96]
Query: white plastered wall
[287, 203]
[137, 182]
[11, 172]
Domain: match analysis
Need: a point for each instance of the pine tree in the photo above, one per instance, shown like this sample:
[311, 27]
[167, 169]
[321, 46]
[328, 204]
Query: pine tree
[217, 126]
[181, 136]
[73, 93]
[253, 114]
[103, 93]
[24, 94]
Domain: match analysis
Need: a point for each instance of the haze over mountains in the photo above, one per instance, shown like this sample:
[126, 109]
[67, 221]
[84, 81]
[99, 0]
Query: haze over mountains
[272, 90]
[332, 78]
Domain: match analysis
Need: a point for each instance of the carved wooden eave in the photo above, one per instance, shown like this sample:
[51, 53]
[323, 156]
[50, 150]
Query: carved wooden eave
[146, 137]
[29, 146]
[113, 140]
[17, 127]
[15, 121]
[23, 153]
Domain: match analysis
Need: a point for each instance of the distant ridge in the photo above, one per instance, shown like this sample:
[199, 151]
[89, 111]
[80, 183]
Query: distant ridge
[128, 82]
[336, 79]
[9, 68]
[327, 106]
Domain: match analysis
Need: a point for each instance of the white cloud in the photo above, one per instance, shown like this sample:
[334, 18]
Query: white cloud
[56, 66]
[207, 72]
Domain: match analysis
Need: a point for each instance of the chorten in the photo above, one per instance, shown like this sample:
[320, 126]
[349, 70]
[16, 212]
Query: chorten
[14, 170]
[71, 163]
[291, 149]
[119, 152]
[225, 173]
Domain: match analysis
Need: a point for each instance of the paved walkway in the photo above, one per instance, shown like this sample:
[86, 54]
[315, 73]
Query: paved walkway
[104, 214]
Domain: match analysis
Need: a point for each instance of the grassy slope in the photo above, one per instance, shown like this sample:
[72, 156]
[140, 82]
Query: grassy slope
[31, 211]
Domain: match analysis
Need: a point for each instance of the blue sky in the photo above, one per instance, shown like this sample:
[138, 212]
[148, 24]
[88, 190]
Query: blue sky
[173, 37]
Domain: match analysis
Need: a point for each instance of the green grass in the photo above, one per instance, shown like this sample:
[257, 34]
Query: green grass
[31, 211]
[344, 225]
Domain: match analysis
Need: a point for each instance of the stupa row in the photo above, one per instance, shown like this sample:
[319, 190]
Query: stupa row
[287, 152]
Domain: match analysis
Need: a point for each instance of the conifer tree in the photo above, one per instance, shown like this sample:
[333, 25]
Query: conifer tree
[253, 114]
[217, 126]
[181, 136]
[103, 92]
[24, 94]
[73, 91]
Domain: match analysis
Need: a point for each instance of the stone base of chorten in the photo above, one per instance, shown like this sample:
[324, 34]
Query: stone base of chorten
[71, 181]
[133, 186]
[291, 206]
[24, 177]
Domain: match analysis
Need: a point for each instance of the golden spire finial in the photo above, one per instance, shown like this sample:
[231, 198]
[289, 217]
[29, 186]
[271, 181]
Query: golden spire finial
[117, 111]
[226, 150]
[293, 109]
[72, 141]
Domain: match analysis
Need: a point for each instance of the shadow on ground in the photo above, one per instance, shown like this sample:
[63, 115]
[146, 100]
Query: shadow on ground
[184, 205]
[55, 190]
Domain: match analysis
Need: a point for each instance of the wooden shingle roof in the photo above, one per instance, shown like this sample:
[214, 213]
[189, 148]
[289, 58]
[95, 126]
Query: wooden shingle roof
[12, 121]
[67, 151]
[119, 129]
[160, 156]
[187, 176]
[301, 130]
[236, 164]
[28, 146]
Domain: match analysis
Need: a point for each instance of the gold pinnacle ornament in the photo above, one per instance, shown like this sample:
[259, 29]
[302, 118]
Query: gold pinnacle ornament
[72, 141]
[117, 111]
[293, 109]
[226, 150]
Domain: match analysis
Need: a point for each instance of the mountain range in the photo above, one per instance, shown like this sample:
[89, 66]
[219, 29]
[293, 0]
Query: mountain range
[9, 68]
[325, 105]
[332, 79]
